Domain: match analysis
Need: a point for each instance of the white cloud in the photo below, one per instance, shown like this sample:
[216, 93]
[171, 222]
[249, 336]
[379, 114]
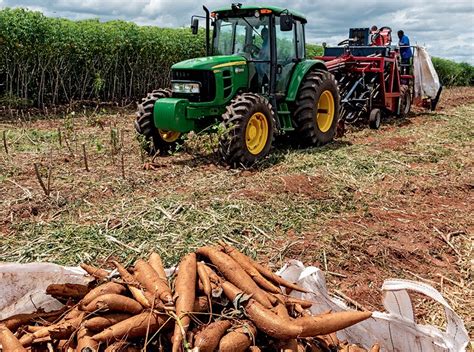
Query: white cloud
[445, 27]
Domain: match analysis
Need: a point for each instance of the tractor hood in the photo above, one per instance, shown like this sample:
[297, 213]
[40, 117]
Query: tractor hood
[210, 62]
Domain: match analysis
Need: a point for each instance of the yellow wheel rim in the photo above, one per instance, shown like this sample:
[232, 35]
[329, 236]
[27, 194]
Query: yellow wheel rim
[256, 133]
[169, 136]
[325, 112]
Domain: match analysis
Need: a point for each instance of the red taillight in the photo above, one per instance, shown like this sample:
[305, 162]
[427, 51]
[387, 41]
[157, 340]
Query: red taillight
[265, 11]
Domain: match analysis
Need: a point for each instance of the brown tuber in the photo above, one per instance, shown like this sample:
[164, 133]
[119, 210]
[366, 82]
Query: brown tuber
[208, 339]
[133, 285]
[9, 342]
[136, 326]
[329, 323]
[109, 287]
[85, 343]
[104, 321]
[99, 274]
[115, 303]
[185, 291]
[142, 310]
[233, 272]
[74, 291]
[240, 339]
[149, 278]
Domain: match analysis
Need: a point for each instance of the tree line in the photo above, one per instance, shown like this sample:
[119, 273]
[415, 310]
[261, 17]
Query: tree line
[51, 61]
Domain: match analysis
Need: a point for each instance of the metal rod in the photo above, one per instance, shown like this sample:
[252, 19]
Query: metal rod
[208, 18]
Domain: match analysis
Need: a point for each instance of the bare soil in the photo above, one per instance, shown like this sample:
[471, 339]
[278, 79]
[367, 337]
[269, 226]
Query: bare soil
[393, 203]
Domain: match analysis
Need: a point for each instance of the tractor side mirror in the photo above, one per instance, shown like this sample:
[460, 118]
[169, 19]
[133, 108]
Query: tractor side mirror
[195, 26]
[286, 22]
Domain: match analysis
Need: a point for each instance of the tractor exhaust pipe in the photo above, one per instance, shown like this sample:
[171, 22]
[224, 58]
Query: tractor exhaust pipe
[208, 19]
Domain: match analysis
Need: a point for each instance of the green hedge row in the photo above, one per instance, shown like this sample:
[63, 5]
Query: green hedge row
[313, 50]
[454, 74]
[47, 61]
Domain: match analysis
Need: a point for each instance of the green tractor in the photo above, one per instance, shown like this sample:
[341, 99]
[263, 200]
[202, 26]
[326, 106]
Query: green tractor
[255, 81]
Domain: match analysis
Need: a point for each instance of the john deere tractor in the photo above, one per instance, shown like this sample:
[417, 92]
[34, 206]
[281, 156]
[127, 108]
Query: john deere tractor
[255, 82]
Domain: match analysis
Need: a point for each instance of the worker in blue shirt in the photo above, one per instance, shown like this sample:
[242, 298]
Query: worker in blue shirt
[405, 51]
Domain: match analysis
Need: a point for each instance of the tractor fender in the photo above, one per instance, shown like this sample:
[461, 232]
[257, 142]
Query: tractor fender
[299, 73]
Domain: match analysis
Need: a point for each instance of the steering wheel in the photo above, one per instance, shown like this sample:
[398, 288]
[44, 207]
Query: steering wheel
[345, 42]
[252, 49]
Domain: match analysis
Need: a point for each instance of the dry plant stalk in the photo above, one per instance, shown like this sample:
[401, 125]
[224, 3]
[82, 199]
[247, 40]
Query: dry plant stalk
[5, 143]
[84, 154]
[45, 189]
[122, 164]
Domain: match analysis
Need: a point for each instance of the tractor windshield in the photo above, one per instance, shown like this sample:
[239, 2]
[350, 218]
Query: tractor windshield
[248, 35]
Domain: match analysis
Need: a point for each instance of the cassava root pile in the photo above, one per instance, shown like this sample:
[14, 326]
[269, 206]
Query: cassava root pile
[218, 300]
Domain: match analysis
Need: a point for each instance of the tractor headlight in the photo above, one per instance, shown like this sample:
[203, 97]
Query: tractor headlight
[185, 87]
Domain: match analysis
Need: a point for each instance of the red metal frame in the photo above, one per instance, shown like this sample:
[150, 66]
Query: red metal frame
[373, 64]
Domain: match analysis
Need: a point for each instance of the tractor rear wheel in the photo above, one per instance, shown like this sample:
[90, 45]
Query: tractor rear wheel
[248, 130]
[405, 101]
[156, 140]
[317, 108]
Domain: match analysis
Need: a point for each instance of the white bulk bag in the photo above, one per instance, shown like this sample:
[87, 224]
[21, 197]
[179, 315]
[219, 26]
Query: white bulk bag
[426, 79]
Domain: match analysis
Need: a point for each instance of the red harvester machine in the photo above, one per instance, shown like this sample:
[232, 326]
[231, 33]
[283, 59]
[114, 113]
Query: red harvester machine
[372, 82]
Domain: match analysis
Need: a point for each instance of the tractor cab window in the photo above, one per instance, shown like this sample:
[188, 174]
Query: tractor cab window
[240, 41]
[224, 45]
[286, 48]
[242, 35]
[286, 43]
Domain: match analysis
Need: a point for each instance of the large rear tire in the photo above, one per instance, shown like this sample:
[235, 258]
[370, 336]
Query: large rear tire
[317, 109]
[248, 130]
[155, 140]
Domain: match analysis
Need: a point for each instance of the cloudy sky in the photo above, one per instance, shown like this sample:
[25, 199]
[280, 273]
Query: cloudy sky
[446, 28]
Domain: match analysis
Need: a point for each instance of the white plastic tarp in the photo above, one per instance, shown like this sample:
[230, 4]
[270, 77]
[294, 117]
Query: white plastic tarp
[23, 286]
[22, 290]
[426, 79]
[395, 330]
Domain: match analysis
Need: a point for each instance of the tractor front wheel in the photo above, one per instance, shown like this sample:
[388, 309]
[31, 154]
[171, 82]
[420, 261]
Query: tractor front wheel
[317, 108]
[248, 130]
[154, 140]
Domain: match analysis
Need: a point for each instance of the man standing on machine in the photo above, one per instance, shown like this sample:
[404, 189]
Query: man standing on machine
[375, 37]
[405, 52]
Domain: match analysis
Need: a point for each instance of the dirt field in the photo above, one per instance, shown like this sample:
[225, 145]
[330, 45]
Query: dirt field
[374, 205]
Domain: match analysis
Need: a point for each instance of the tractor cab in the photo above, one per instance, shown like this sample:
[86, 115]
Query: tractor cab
[270, 40]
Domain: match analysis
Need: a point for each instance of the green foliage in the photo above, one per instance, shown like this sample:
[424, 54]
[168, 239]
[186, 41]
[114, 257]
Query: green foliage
[12, 100]
[313, 50]
[53, 61]
[452, 73]
[49, 61]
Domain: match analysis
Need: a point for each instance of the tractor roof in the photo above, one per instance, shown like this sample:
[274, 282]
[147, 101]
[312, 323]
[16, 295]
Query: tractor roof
[275, 9]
